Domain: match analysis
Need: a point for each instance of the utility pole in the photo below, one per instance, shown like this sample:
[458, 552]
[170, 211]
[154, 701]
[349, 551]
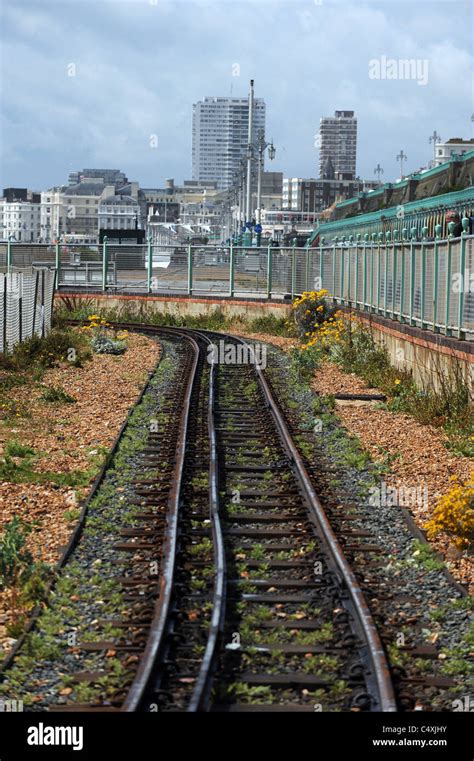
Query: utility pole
[434, 138]
[248, 210]
[401, 158]
[378, 171]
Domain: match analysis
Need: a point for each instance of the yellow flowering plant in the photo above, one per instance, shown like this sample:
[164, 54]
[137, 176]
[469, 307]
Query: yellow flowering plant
[104, 339]
[327, 334]
[310, 310]
[454, 514]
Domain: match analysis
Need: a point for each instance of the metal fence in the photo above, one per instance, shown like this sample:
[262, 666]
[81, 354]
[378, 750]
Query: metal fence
[428, 283]
[26, 304]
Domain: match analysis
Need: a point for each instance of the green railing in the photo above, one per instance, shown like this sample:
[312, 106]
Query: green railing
[419, 214]
[427, 283]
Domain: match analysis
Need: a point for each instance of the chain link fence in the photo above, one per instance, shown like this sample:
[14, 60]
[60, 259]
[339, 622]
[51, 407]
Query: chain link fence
[26, 304]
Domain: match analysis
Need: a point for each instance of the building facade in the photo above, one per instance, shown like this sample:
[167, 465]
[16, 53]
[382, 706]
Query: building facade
[220, 137]
[20, 215]
[119, 212]
[312, 196]
[20, 221]
[106, 176]
[455, 145]
[338, 141]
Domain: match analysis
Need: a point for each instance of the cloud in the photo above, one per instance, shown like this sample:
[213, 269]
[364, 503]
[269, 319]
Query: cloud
[139, 66]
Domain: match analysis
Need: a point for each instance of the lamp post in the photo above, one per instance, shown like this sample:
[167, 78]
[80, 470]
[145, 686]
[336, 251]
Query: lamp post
[249, 156]
[401, 158]
[242, 193]
[434, 138]
[262, 146]
[378, 171]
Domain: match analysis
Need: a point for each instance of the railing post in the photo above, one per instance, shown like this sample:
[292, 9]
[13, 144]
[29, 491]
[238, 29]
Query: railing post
[385, 273]
[372, 269]
[231, 270]
[449, 260]
[104, 264]
[463, 283]
[402, 277]
[269, 270]
[424, 233]
[306, 278]
[334, 269]
[364, 273]
[190, 270]
[356, 300]
[349, 283]
[321, 263]
[438, 231]
[149, 272]
[343, 264]
[394, 273]
[293, 268]
[412, 275]
[378, 271]
[58, 261]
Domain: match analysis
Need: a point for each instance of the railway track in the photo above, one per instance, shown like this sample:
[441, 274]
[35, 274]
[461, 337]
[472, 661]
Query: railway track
[258, 608]
[239, 594]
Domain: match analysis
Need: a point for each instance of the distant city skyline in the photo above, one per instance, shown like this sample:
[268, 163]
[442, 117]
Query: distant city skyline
[77, 89]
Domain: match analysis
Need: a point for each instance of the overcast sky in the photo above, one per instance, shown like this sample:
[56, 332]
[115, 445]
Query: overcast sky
[89, 83]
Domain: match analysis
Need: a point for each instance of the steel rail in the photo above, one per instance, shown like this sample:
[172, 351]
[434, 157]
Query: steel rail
[376, 650]
[381, 671]
[200, 697]
[162, 607]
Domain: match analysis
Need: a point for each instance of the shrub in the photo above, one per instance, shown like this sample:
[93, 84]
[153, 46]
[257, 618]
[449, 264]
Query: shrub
[16, 562]
[15, 449]
[103, 340]
[275, 326]
[310, 310]
[454, 514]
[305, 360]
[102, 344]
[56, 394]
[60, 345]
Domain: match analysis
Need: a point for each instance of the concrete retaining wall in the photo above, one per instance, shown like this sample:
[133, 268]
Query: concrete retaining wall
[183, 305]
[431, 358]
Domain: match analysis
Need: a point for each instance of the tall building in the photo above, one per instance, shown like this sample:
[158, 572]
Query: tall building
[338, 142]
[220, 137]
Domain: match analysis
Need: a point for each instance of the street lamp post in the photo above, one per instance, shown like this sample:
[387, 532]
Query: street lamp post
[378, 171]
[262, 145]
[434, 138]
[401, 158]
[249, 155]
[242, 193]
